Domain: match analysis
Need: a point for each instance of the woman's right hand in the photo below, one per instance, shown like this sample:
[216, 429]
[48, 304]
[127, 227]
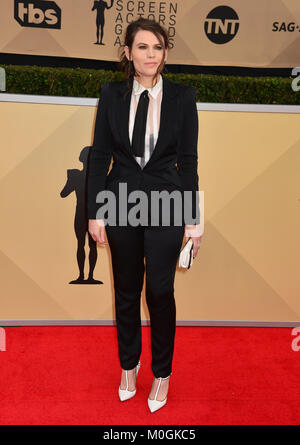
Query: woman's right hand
[97, 230]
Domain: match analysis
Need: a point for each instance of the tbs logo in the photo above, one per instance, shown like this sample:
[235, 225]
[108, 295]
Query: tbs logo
[38, 13]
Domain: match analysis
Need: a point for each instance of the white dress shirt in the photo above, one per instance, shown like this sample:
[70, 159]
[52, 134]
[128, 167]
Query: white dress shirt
[152, 127]
[153, 116]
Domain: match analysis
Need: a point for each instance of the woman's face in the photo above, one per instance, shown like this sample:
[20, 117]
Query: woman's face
[146, 54]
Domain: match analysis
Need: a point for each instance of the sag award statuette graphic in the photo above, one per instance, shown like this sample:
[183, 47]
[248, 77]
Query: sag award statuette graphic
[76, 184]
[100, 6]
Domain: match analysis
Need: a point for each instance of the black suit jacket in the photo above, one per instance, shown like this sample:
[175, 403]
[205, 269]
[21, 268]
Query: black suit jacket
[174, 161]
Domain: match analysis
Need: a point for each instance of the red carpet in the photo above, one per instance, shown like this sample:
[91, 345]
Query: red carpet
[221, 375]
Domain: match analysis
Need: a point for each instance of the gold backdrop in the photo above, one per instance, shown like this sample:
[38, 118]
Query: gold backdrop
[256, 33]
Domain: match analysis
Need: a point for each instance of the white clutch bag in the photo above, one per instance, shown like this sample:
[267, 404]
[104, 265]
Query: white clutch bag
[186, 255]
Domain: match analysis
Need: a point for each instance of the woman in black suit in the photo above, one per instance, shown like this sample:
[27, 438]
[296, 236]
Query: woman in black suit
[149, 125]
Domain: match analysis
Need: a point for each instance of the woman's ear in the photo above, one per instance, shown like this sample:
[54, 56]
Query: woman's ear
[126, 50]
[166, 54]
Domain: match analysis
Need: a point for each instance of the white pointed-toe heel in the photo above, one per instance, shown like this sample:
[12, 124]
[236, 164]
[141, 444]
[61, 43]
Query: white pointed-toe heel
[125, 394]
[154, 404]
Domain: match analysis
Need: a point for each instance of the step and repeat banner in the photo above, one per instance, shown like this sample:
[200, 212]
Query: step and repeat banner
[247, 268]
[256, 33]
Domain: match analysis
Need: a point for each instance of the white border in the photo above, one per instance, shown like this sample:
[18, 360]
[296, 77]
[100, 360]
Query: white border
[97, 322]
[205, 106]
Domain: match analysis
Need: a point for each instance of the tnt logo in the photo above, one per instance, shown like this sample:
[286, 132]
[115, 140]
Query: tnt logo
[38, 13]
[221, 25]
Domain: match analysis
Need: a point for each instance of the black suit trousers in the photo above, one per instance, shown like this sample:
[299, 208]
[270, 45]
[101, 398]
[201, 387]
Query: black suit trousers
[134, 251]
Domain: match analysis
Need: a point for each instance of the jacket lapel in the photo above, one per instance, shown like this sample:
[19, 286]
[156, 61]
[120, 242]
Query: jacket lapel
[123, 110]
[168, 106]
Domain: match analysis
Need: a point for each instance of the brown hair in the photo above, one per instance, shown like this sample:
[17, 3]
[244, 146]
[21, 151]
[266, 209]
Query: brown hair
[125, 65]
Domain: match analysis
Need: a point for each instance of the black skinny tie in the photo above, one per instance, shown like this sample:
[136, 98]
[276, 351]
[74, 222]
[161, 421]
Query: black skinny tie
[139, 129]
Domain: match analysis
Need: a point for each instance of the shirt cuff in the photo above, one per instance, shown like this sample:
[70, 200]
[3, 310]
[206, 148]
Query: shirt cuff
[192, 231]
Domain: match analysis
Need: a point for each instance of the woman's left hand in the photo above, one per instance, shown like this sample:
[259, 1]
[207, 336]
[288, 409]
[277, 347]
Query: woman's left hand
[196, 244]
[194, 233]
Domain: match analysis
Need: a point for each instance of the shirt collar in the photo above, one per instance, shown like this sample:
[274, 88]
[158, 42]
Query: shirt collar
[138, 88]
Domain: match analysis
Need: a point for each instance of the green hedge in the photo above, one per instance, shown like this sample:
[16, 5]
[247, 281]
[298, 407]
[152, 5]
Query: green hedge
[80, 82]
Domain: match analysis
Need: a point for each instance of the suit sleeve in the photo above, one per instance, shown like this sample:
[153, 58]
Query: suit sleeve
[100, 154]
[187, 162]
